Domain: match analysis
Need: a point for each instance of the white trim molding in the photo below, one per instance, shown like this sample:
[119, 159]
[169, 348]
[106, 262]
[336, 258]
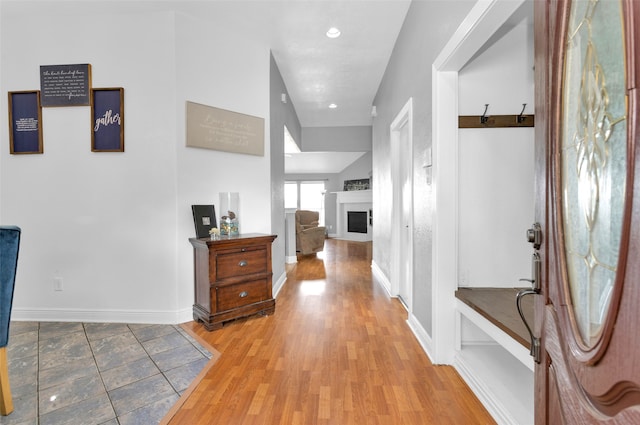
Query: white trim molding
[484, 19]
[421, 335]
[102, 316]
[381, 278]
[279, 284]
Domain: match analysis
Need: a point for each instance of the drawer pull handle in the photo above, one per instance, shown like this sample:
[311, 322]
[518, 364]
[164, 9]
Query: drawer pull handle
[242, 263]
[243, 249]
[243, 294]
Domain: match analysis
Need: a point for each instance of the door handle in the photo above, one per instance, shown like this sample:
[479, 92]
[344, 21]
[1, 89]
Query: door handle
[534, 236]
[535, 341]
[536, 272]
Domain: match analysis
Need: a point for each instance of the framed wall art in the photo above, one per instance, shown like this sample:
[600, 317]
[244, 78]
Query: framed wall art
[25, 122]
[66, 85]
[209, 127]
[107, 120]
[360, 184]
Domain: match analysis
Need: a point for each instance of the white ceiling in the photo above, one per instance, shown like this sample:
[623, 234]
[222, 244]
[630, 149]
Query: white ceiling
[346, 71]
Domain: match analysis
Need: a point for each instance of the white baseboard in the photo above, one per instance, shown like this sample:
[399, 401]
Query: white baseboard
[484, 394]
[381, 278]
[421, 335]
[102, 316]
[416, 327]
[292, 259]
[185, 315]
[277, 286]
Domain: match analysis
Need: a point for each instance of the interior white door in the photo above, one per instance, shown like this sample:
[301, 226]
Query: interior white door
[402, 147]
[406, 194]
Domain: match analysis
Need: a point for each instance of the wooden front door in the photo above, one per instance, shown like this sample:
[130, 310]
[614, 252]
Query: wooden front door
[588, 206]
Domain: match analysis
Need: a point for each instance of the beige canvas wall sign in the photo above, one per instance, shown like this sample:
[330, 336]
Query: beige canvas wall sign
[218, 129]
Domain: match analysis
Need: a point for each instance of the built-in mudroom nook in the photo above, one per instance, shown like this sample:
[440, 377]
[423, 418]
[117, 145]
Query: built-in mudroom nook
[495, 209]
[489, 167]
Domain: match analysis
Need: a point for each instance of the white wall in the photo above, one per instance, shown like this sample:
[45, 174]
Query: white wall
[115, 226]
[336, 139]
[281, 115]
[496, 165]
[241, 85]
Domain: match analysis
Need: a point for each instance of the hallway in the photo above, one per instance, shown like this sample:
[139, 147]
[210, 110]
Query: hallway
[336, 351]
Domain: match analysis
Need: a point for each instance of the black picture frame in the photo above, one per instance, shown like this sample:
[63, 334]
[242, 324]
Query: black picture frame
[204, 219]
[107, 119]
[359, 184]
[25, 122]
[65, 85]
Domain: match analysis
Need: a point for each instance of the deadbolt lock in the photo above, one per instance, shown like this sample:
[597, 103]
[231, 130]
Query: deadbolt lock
[534, 235]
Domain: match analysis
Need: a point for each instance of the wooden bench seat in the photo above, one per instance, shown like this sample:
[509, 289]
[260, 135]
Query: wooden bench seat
[498, 305]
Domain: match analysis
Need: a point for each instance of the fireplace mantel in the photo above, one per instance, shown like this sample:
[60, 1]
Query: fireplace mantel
[354, 196]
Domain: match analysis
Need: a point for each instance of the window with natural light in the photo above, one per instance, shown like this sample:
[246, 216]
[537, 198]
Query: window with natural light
[305, 195]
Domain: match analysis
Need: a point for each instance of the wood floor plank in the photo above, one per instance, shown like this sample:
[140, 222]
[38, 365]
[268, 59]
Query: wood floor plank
[337, 351]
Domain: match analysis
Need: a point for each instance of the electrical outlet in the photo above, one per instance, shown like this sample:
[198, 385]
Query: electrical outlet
[57, 284]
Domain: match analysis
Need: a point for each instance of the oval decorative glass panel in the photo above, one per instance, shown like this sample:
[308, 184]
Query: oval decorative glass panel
[593, 158]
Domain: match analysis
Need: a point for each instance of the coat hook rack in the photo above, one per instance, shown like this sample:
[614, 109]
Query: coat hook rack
[496, 121]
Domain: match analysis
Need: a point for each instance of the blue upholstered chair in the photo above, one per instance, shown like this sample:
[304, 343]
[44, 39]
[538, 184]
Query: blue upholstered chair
[9, 245]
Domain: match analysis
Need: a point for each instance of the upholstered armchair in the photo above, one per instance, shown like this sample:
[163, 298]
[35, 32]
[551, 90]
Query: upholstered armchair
[309, 234]
[9, 245]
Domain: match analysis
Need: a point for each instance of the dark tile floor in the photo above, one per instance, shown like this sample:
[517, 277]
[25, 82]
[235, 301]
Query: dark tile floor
[98, 373]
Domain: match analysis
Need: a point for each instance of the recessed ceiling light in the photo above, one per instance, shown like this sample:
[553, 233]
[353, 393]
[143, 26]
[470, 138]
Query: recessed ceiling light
[333, 106]
[333, 32]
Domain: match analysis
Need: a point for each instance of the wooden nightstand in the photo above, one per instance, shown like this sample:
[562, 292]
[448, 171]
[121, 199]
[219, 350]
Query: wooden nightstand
[232, 278]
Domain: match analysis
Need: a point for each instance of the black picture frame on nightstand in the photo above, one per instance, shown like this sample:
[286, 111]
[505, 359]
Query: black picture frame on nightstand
[204, 219]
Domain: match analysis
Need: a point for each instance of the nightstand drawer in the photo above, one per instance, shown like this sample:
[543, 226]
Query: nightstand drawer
[245, 293]
[240, 263]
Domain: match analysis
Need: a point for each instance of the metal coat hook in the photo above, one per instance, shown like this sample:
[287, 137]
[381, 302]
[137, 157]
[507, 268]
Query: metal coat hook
[484, 118]
[521, 117]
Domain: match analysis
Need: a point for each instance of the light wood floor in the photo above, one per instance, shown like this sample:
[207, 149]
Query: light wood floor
[336, 351]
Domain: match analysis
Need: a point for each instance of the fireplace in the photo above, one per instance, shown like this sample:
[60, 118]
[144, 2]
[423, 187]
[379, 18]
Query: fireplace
[357, 221]
[352, 215]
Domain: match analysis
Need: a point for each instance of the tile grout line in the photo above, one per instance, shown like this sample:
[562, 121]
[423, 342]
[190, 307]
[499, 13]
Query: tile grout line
[38, 376]
[95, 361]
[153, 361]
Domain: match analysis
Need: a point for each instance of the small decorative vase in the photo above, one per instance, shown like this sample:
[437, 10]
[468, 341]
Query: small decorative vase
[228, 226]
[229, 209]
